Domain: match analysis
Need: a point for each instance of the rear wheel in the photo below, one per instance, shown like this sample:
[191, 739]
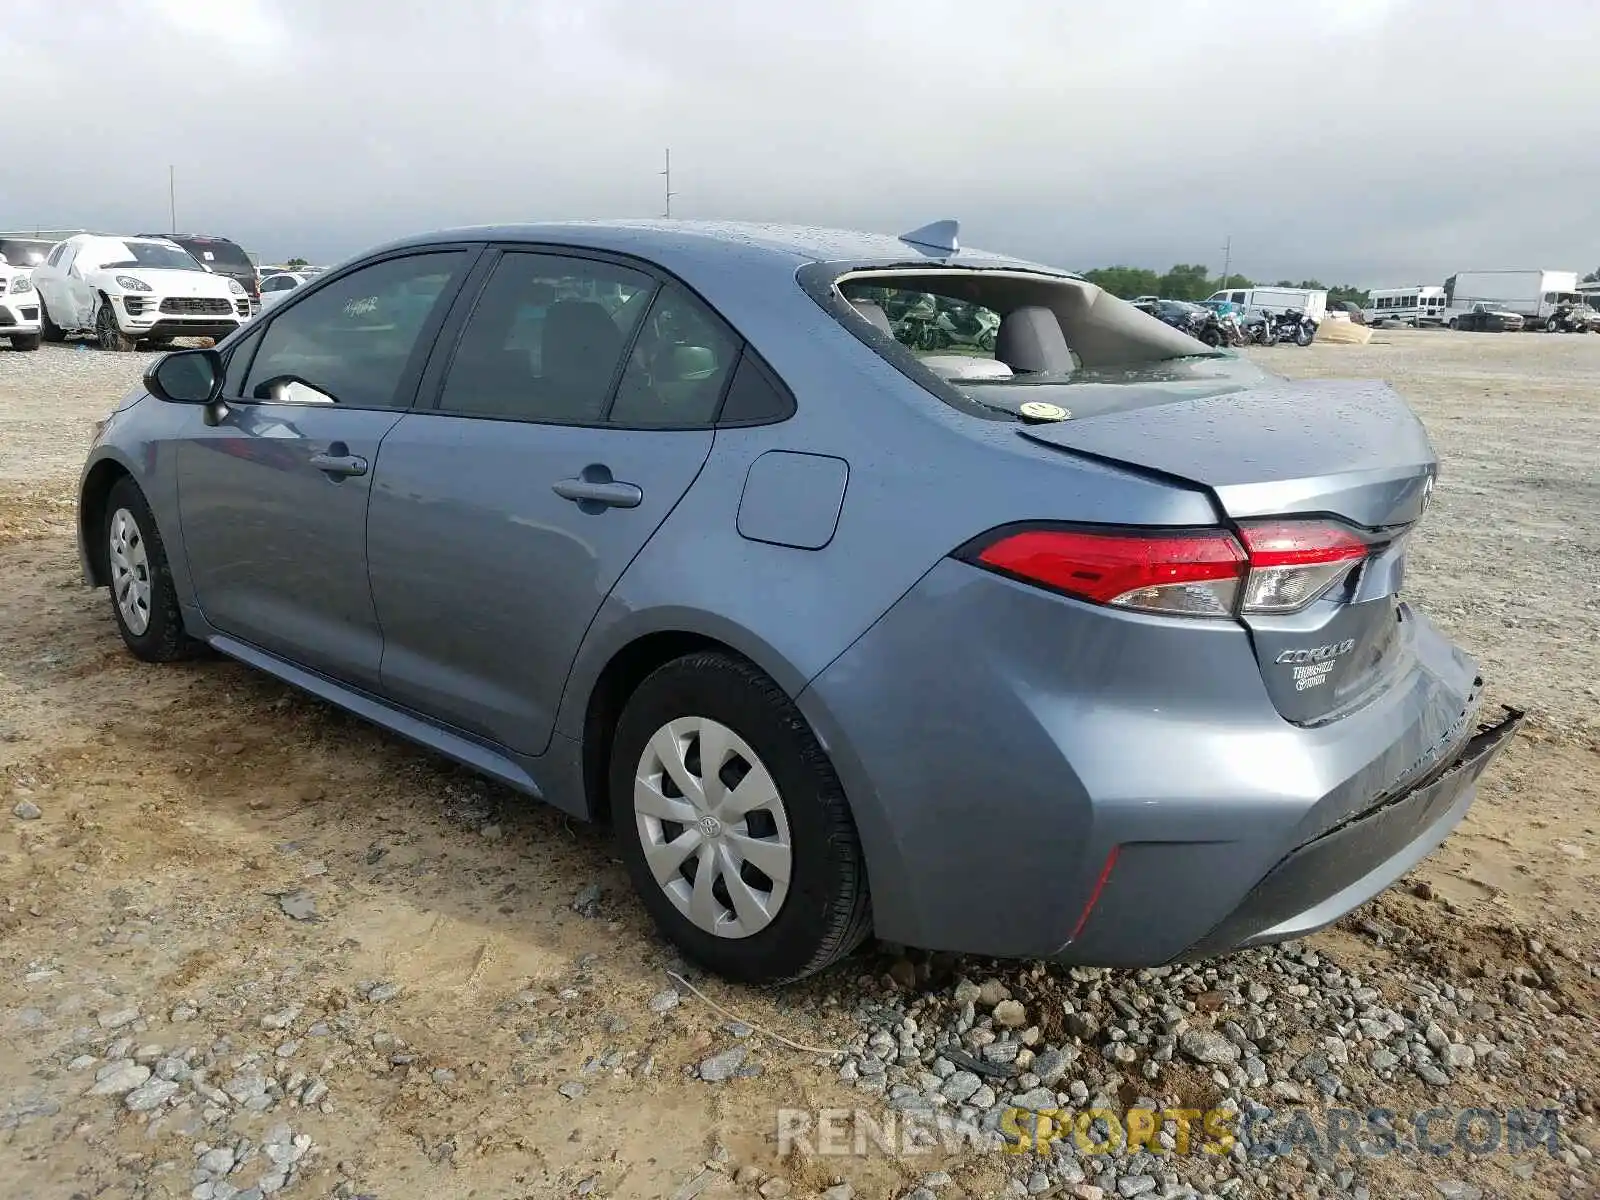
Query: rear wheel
[144, 601]
[24, 341]
[51, 331]
[107, 332]
[732, 824]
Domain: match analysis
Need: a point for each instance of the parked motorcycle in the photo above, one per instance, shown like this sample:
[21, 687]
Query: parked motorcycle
[1292, 325]
[964, 325]
[943, 326]
[1258, 329]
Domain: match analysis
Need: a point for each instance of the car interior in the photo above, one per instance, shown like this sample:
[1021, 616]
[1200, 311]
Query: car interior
[1047, 325]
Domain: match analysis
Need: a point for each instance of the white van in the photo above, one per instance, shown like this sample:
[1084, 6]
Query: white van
[1275, 300]
[1415, 306]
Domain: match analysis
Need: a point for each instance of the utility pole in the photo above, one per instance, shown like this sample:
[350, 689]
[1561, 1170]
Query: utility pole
[172, 196]
[667, 176]
[1227, 260]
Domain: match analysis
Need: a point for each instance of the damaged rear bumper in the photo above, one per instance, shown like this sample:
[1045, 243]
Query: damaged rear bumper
[1322, 880]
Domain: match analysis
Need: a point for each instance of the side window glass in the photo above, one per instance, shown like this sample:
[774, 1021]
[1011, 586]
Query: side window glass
[679, 365]
[546, 339]
[754, 396]
[238, 363]
[349, 343]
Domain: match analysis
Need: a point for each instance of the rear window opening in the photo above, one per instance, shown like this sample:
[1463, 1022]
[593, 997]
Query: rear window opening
[989, 340]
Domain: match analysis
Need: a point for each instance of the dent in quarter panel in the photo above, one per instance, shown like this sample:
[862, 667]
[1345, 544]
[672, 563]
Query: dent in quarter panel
[793, 499]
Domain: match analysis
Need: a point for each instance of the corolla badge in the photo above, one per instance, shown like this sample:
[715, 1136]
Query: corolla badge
[1316, 654]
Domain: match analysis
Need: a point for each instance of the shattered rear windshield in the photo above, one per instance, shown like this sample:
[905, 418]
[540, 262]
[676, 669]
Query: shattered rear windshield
[989, 340]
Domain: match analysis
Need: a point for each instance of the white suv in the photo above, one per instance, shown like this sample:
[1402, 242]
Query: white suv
[126, 290]
[19, 307]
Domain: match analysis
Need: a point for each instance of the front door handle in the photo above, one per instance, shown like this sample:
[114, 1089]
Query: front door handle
[340, 465]
[595, 490]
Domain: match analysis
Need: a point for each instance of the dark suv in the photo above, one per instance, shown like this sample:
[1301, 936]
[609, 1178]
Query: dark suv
[223, 257]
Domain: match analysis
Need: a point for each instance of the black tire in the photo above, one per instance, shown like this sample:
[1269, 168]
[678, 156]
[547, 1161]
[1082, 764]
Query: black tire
[1455, 323]
[163, 639]
[826, 913]
[1552, 326]
[48, 328]
[107, 332]
[1303, 335]
[24, 341]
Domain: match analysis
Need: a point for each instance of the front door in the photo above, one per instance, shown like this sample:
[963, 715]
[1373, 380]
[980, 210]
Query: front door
[575, 413]
[273, 499]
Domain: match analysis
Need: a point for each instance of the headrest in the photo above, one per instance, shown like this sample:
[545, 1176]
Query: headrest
[1030, 340]
[874, 315]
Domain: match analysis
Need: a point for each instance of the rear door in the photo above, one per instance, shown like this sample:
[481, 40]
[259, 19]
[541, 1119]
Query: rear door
[273, 499]
[575, 412]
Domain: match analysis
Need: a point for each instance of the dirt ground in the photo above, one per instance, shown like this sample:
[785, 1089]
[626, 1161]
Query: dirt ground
[224, 866]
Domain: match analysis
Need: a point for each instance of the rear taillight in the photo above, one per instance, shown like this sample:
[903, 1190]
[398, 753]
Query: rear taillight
[1294, 562]
[1281, 567]
[1193, 573]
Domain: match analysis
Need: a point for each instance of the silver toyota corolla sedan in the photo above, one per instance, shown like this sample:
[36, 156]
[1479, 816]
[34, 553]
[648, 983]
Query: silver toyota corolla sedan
[862, 583]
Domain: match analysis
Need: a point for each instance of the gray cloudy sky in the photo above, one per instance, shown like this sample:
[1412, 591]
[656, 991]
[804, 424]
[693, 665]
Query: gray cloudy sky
[1370, 141]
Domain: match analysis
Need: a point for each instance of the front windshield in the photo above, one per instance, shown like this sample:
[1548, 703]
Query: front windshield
[23, 252]
[218, 255]
[148, 254]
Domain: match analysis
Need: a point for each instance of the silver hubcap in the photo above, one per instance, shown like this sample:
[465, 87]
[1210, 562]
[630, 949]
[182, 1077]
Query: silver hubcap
[130, 571]
[713, 827]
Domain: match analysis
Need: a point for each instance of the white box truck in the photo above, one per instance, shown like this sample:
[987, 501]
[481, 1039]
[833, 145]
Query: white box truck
[1277, 300]
[1533, 295]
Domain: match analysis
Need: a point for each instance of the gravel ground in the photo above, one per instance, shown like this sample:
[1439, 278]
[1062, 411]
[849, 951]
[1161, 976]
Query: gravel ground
[249, 946]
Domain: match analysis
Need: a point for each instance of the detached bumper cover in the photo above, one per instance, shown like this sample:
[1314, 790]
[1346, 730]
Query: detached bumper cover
[1328, 876]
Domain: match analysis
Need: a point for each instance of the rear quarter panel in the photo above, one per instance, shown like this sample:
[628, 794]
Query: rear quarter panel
[923, 479]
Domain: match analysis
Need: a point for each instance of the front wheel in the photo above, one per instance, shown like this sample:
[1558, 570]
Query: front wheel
[107, 332]
[1454, 323]
[24, 341]
[1552, 326]
[144, 601]
[1303, 335]
[733, 825]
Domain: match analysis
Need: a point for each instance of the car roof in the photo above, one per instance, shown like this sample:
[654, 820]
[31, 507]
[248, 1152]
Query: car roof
[669, 241]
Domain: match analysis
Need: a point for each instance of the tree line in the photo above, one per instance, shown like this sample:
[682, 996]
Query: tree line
[1192, 281]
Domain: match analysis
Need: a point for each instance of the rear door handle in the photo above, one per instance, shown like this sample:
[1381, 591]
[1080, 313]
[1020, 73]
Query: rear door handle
[595, 489]
[339, 464]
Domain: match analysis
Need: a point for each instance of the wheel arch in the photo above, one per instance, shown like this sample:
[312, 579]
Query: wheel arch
[95, 490]
[611, 668]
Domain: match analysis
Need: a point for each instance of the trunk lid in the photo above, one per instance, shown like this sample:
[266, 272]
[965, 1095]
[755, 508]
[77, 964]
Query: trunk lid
[1352, 451]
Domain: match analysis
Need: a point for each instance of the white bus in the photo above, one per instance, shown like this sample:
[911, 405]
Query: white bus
[1415, 306]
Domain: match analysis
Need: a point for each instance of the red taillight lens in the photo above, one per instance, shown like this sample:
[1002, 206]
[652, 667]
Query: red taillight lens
[1294, 562]
[1282, 567]
[1185, 573]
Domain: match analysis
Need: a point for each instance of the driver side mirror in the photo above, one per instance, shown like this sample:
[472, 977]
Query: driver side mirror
[185, 377]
